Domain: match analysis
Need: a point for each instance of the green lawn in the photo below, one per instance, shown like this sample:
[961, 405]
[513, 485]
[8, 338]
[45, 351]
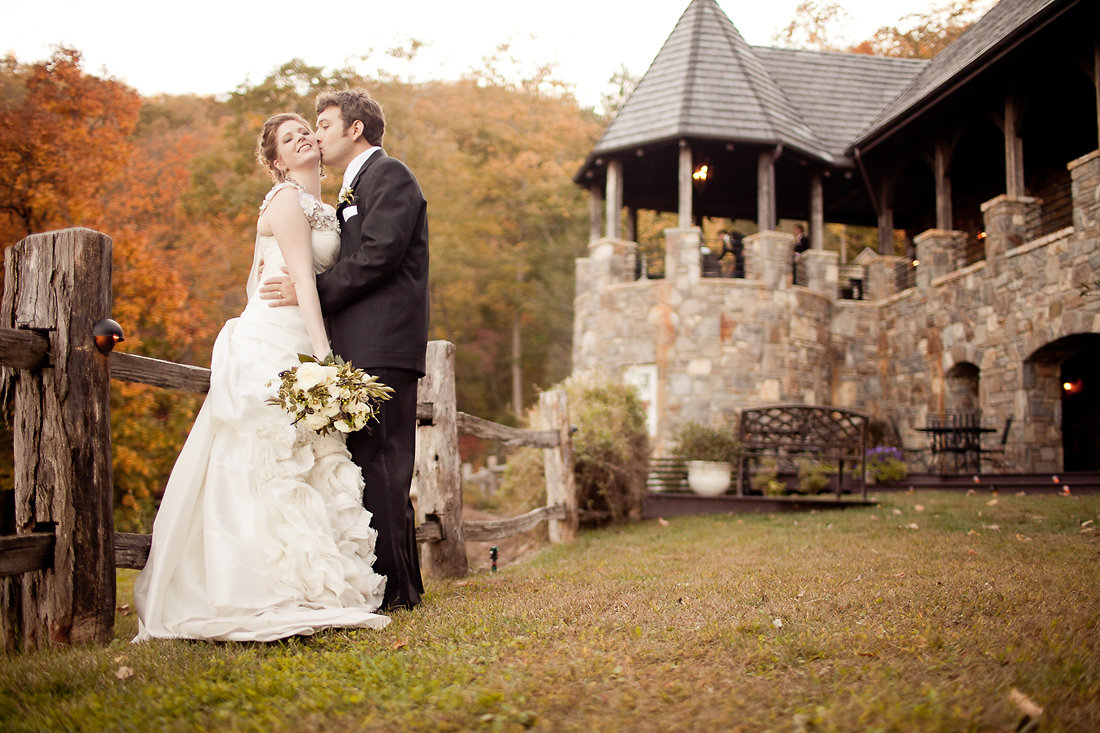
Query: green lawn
[890, 618]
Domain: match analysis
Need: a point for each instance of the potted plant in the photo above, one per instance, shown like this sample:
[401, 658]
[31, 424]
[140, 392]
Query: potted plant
[710, 452]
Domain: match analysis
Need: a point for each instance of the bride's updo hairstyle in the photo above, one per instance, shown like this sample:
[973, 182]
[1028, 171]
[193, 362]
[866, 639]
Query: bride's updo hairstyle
[265, 152]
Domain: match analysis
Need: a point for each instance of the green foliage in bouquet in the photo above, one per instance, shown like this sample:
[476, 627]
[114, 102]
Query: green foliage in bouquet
[329, 395]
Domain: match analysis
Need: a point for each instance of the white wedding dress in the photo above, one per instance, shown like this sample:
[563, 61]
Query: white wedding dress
[261, 533]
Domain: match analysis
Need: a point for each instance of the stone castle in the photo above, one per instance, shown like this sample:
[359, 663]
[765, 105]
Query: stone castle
[983, 161]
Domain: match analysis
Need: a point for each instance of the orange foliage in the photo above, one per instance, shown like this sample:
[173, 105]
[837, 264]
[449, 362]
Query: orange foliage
[63, 135]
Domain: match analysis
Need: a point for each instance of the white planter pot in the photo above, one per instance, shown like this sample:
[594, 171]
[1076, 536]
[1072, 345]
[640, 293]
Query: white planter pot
[708, 478]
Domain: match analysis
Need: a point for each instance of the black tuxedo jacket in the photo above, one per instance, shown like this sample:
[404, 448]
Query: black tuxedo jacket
[376, 296]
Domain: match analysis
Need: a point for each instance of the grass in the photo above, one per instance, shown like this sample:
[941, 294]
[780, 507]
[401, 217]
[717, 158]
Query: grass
[662, 627]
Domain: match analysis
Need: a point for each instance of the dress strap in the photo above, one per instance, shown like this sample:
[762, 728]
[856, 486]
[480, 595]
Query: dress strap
[279, 187]
[319, 216]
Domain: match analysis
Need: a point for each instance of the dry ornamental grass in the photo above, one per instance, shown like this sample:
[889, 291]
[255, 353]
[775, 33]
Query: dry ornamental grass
[932, 612]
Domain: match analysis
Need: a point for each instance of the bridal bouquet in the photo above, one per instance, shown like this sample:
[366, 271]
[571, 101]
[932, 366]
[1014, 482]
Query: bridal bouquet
[329, 395]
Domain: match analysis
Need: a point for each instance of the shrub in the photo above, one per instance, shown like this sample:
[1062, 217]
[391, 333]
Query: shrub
[813, 476]
[766, 478]
[698, 442]
[884, 463]
[610, 451]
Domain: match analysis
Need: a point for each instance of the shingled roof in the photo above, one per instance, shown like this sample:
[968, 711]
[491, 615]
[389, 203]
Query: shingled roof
[706, 82]
[838, 94]
[979, 44]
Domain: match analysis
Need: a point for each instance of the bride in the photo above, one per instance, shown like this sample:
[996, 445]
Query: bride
[262, 533]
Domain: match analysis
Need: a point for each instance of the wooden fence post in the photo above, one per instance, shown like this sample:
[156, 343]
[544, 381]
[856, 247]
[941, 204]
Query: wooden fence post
[439, 467]
[561, 483]
[59, 284]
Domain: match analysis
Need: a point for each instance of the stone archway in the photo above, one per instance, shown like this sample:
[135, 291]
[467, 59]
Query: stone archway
[961, 384]
[1063, 400]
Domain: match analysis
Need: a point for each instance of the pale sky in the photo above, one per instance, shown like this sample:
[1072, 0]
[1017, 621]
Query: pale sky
[210, 47]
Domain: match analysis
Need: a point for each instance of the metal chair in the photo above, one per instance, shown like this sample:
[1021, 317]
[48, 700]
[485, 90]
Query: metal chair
[996, 455]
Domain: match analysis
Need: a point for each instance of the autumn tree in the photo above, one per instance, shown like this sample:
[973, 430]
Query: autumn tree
[923, 35]
[64, 135]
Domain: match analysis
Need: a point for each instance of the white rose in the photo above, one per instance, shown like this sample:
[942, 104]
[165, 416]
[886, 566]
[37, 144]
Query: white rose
[331, 373]
[330, 410]
[334, 390]
[342, 426]
[310, 375]
[316, 421]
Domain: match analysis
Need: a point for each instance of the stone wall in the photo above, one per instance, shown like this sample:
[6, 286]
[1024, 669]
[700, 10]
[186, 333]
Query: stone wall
[721, 345]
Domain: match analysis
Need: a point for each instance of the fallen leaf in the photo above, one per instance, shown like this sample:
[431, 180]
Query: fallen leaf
[1065, 491]
[662, 521]
[400, 644]
[992, 502]
[919, 507]
[971, 552]
[1086, 523]
[868, 654]
[1024, 703]
[974, 532]
[778, 623]
[1021, 493]
[124, 673]
[1087, 530]
[1021, 538]
[899, 575]
[897, 511]
[994, 527]
[971, 492]
[123, 610]
[120, 660]
[913, 525]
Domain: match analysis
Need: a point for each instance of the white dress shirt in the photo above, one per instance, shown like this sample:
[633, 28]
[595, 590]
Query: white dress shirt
[356, 165]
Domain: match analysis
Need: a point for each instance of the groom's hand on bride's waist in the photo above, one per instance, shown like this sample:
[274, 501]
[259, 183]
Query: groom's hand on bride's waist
[278, 290]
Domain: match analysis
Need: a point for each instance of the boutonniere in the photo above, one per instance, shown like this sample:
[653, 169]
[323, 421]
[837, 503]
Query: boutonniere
[347, 197]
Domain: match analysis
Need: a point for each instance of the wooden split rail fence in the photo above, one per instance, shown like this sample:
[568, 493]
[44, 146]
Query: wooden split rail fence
[57, 572]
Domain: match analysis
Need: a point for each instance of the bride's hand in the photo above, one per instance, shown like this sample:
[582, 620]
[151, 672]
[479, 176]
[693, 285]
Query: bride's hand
[279, 290]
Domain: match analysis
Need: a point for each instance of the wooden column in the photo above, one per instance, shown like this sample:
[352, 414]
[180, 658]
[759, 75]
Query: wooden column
[686, 169]
[1014, 149]
[630, 234]
[817, 211]
[614, 197]
[943, 185]
[59, 284]
[561, 484]
[765, 193]
[886, 217]
[595, 214]
[439, 467]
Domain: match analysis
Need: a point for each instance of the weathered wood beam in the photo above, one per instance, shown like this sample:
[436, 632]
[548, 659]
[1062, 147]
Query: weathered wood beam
[23, 349]
[438, 466]
[498, 529]
[167, 374]
[132, 550]
[188, 378]
[26, 553]
[476, 426]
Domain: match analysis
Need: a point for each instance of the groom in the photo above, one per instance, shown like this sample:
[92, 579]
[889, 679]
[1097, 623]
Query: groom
[376, 301]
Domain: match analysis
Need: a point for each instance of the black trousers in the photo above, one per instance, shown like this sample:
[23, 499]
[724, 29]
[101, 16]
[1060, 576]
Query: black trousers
[384, 451]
